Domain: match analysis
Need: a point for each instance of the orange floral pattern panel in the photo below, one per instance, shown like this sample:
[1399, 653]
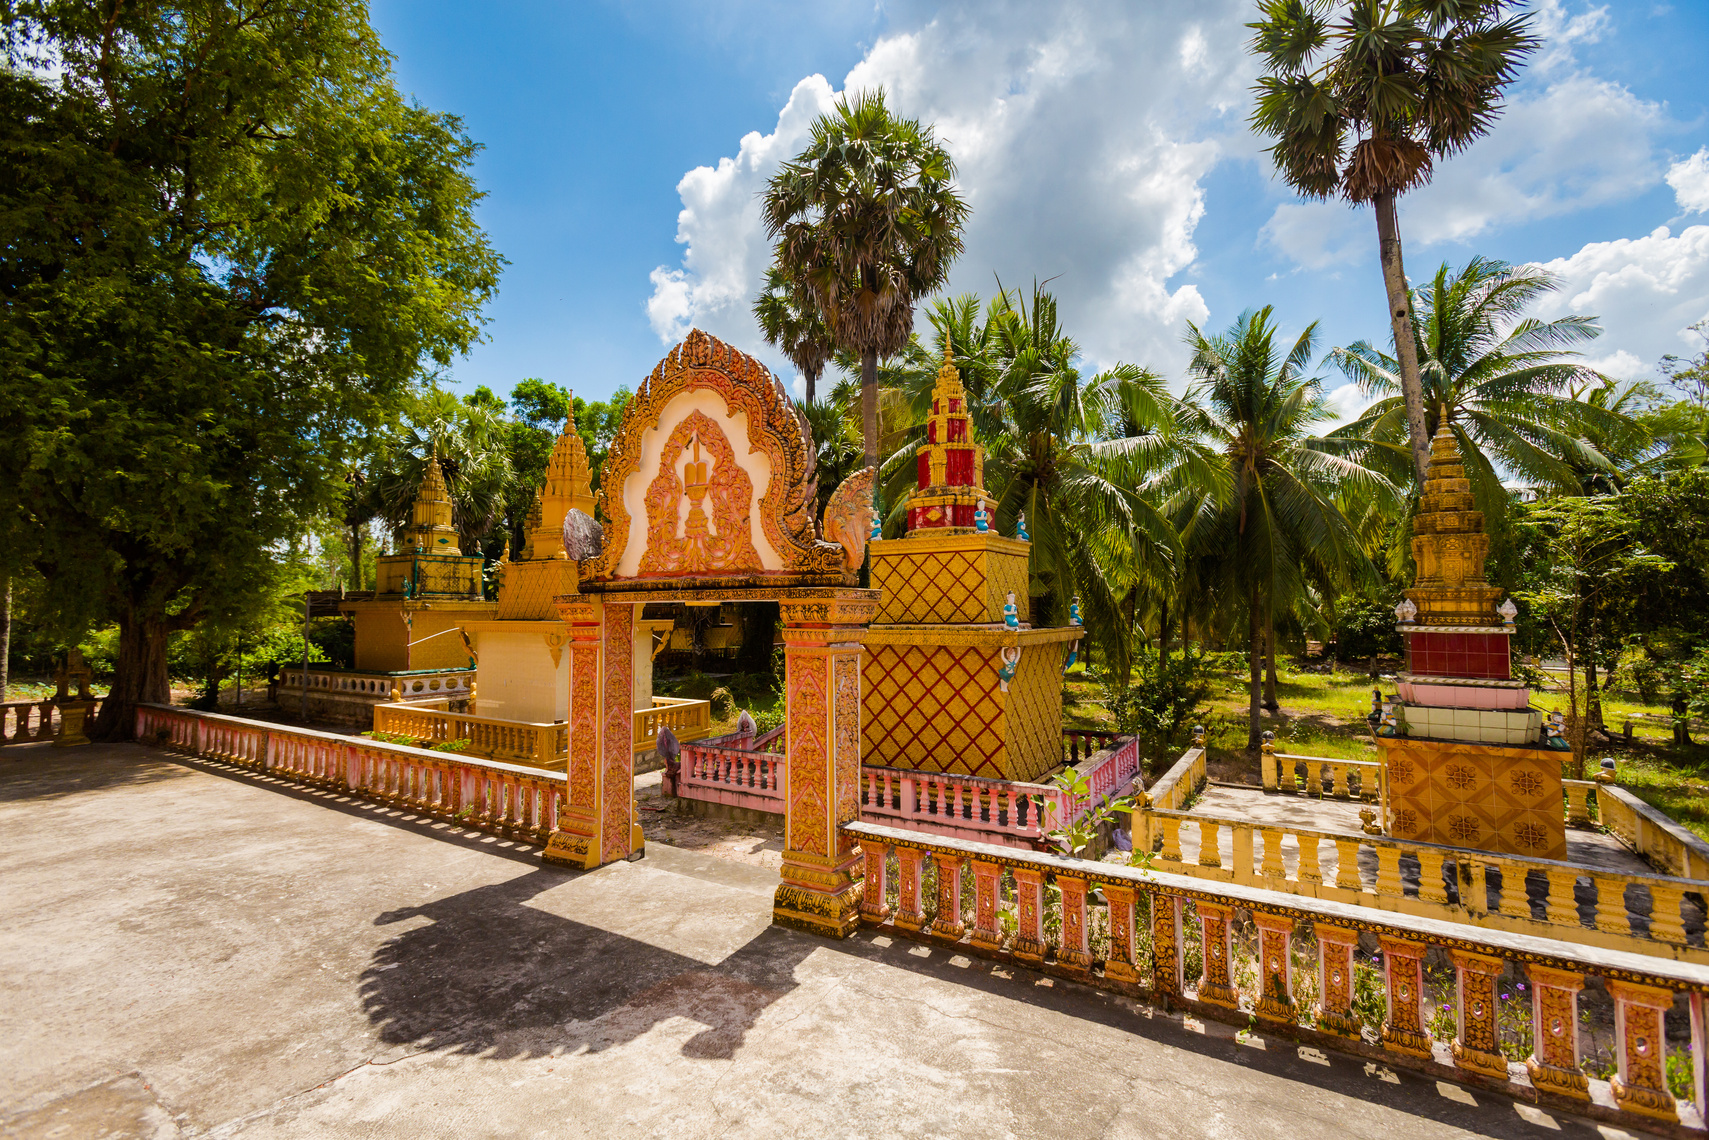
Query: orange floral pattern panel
[721, 539]
[618, 755]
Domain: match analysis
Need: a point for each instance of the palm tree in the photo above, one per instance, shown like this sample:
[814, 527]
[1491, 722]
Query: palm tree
[789, 319]
[469, 439]
[1363, 106]
[1509, 385]
[1278, 526]
[866, 222]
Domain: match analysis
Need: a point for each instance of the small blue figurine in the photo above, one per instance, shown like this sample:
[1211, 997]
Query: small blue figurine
[981, 521]
[1021, 527]
[1011, 614]
[1006, 671]
[1073, 656]
[877, 518]
[1074, 613]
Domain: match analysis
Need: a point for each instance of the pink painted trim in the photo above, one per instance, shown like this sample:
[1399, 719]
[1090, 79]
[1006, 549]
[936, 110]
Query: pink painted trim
[1463, 696]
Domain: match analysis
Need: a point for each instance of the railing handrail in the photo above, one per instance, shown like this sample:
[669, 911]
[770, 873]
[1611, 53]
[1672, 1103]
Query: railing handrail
[316, 667]
[1625, 965]
[361, 742]
[1455, 853]
[957, 777]
[1698, 847]
[1328, 760]
[419, 709]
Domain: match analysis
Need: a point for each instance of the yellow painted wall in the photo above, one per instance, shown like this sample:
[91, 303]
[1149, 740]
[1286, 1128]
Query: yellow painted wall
[516, 679]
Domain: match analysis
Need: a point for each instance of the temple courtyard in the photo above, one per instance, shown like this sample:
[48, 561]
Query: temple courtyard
[192, 949]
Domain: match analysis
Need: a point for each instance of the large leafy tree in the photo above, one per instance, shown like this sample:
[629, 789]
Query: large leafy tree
[1364, 97]
[867, 221]
[227, 246]
[1273, 524]
[1509, 384]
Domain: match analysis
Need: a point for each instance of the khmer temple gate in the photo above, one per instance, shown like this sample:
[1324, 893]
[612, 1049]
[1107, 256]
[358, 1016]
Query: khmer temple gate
[707, 494]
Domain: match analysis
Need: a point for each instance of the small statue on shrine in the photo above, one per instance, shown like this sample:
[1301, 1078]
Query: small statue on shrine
[1508, 611]
[1406, 611]
[981, 520]
[1011, 658]
[1074, 611]
[1011, 612]
[1555, 732]
[1021, 527]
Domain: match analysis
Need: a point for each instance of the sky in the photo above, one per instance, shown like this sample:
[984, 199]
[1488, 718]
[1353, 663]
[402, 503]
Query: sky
[1102, 145]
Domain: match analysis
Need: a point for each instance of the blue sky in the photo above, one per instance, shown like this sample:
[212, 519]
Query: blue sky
[1103, 144]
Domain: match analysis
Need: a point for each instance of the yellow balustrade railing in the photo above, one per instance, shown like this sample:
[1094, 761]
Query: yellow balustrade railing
[484, 795]
[688, 720]
[30, 722]
[1324, 775]
[1647, 831]
[517, 742]
[1301, 971]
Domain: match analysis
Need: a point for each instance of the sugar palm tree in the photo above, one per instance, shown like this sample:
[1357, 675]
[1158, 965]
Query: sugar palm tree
[1508, 383]
[1278, 525]
[469, 440]
[790, 319]
[866, 220]
[1363, 103]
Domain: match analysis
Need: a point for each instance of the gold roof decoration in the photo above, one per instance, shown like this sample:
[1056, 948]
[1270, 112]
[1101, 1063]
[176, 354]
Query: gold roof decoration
[430, 530]
[950, 481]
[568, 487]
[1449, 545]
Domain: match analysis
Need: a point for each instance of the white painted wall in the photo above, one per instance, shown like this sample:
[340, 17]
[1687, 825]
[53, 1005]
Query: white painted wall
[516, 679]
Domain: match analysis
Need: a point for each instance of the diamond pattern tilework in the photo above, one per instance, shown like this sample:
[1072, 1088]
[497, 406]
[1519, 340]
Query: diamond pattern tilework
[528, 589]
[938, 587]
[1034, 719]
[1483, 796]
[934, 708]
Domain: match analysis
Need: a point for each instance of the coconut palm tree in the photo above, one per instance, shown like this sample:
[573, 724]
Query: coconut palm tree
[866, 221]
[790, 320]
[1509, 384]
[1278, 525]
[1363, 97]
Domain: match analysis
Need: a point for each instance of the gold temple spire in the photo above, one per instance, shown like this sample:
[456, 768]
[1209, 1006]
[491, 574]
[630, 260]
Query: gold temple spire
[1449, 545]
[568, 486]
[430, 530]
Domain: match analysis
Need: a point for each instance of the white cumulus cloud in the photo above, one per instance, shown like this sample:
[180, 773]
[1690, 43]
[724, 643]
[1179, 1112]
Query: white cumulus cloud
[1082, 133]
[1690, 182]
[1646, 291]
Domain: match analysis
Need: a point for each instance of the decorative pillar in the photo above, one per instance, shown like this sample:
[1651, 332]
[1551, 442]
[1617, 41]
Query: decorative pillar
[1123, 900]
[1029, 913]
[910, 910]
[1403, 971]
[1217, 983]
[1699, 1056]
[1275, 968]
[948, 922]
[1641, 1084]
[1553, 1063]
[987, 894]
[1477, 1045]
[822, 658]
[1074, 950]
[1335, 946]
[577, 840]
[873, 906]
[1166, 981]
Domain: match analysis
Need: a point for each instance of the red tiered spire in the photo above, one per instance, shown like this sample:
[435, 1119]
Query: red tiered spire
[951, 467]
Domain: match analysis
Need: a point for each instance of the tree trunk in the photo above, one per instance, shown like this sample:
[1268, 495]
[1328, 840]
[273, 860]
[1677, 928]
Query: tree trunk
[1400, 321]
[5, 636]
[812, 378]
[139, 675]
[1270, 701]
[356, 580]
[1255, 658]
[869, 404]
[1162, 635]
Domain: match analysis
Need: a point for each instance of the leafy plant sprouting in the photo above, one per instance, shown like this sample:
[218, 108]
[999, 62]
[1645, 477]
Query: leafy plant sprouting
[1073, 837]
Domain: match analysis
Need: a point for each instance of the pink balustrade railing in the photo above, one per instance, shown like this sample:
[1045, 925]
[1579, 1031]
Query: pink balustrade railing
[733, 776]
[961, 807]
[484, 795]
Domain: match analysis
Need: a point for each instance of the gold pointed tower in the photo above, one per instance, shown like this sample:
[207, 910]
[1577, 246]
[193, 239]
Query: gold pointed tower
[528, 584]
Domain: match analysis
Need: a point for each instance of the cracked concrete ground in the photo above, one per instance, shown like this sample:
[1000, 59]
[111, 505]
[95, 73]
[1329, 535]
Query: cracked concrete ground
[193, 950]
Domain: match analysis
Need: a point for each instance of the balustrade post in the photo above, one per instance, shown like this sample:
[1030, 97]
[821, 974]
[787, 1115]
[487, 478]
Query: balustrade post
[1275, 968]
[1388, 871]
[1477, 1044]
[1240, 853]
[1310, 872]
[1166, 980]
[1665, 922]
[1029, 914]
[1216, 985]
[1578, 805]
[1553, 1063]
[1431, 888]
[987, 897]
[1515, 899]
[1347, 865]
[1171, 852]
[1403, 975]
[1209, 837]
[874, 907]
[948, 921]
[1611, 904]
[1122, 899]
[1699, 1056]
[1267, 764]
[910, 908]
[1640, 1086]
[1334, 1010]
[1313, 778]
[1273, 868]
[1562, 908]
[1075, 949]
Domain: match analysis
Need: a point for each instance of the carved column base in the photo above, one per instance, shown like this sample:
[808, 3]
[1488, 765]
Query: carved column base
[1339, 1022]
[1477, 1061]
[72, 714]
[1561, 1082]
[817, 895]
[1412, 1042]
[1644, 1102]
[573, 843]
